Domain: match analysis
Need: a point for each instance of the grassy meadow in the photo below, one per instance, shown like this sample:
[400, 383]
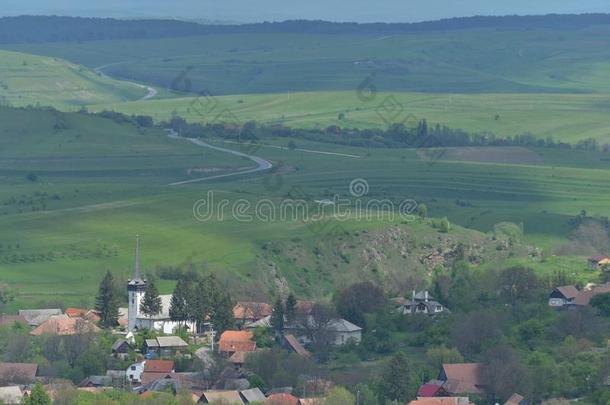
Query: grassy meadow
[566, 117]
[75, 189]
[78, 218]
[34, 80]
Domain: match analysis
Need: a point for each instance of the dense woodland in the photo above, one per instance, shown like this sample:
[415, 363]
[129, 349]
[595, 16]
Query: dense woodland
[28, 29]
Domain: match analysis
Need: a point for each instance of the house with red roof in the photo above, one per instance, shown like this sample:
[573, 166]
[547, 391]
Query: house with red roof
[156, 370]
[282, 399]
[232, 341]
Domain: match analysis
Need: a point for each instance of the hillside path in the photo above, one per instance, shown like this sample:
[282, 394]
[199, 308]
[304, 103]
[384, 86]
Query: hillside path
[261, 164]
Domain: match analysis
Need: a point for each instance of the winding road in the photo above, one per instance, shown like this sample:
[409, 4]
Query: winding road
[152, 92]
[261, 164]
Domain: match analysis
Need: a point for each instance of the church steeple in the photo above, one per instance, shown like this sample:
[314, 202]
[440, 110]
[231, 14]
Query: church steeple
[137, 273]
[137, 280]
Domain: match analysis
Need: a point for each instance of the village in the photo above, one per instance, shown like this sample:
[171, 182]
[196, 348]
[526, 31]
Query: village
[157, 343]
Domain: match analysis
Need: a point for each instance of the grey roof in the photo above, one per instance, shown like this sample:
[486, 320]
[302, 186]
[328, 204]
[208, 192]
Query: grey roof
[166, 300]
[343, 325]
[35, 317]
[151, 343]
[117, 345]
[171, 341]
[253, 395]
[96, 380]
[166, 341]
[336, 325]
[11, 395]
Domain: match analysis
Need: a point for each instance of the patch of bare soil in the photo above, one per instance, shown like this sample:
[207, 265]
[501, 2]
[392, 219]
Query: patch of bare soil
[491, 154]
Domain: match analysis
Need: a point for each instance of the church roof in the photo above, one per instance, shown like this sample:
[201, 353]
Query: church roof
[166, 300]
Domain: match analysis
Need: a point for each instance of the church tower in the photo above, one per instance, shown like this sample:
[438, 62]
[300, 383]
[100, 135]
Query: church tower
[135, 289]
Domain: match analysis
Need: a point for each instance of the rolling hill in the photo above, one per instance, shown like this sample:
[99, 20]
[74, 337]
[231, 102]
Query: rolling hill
[35, 80]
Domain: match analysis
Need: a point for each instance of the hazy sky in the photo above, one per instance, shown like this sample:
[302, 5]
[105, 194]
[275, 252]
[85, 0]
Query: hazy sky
[336, 10]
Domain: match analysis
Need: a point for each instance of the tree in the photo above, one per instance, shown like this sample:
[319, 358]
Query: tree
[444, 225]
[6, 296]
[222, 313]
[37, 397]
[394, 382]
[359, 299]
[107, 302]
[422, 211]
[504, 373]
[277, 316]
[291, 308]
[602, 303]
[517, 284]
[179, 309]
[151, 303]
[200, 305]
[340, 396]
[439, 355]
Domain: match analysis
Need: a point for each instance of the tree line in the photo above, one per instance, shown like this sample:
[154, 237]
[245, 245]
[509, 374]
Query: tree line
[197, 299]
[40, 29]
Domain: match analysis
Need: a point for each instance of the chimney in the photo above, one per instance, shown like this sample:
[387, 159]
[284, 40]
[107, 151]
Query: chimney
[426, 295]
[413, 296]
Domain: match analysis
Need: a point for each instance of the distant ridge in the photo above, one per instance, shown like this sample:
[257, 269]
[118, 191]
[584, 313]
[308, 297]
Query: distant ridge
[38, 29]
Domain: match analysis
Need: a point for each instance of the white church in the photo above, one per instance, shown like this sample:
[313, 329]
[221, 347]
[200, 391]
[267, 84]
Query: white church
[136, 320]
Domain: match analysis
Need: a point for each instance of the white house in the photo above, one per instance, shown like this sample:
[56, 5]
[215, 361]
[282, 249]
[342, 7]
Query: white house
[134, 372]
[342, 330]
[136, 319]
[420, 303]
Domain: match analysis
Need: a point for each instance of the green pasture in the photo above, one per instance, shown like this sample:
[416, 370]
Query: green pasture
[566, 117]
[459, 61]
[35, 80]
[78, 218]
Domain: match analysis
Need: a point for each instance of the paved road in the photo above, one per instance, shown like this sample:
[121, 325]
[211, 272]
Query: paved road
[152, 92]
[261, 164]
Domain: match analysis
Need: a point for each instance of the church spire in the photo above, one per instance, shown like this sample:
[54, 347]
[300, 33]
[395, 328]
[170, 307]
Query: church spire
[137, 281]
[137, 272]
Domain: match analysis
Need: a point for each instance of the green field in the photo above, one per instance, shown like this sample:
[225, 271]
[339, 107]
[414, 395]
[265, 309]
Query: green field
[75, 188]
[33, 80]
[99, 183]
[460, 61]
[566, 117]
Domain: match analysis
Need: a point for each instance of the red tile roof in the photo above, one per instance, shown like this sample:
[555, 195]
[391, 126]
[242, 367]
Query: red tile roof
[429, 390]
[159, 366]
[584, 296]
[282, 399]
[18, 372]
[441, 401]
[296, 346]
[463, 378]
[252, 310]
[75, 312]
[12, 319]
[568, 291]
[68, 326]
[237, 341]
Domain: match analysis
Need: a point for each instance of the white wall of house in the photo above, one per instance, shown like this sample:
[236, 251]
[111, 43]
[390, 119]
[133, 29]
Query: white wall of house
[134, 372]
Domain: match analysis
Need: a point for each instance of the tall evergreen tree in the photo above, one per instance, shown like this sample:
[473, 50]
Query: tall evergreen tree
[222, 312]
[199, 303]
[151, 303]
[394, 383]
[277, 316]
[107, 302]
[179, 309]
[291, 308]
